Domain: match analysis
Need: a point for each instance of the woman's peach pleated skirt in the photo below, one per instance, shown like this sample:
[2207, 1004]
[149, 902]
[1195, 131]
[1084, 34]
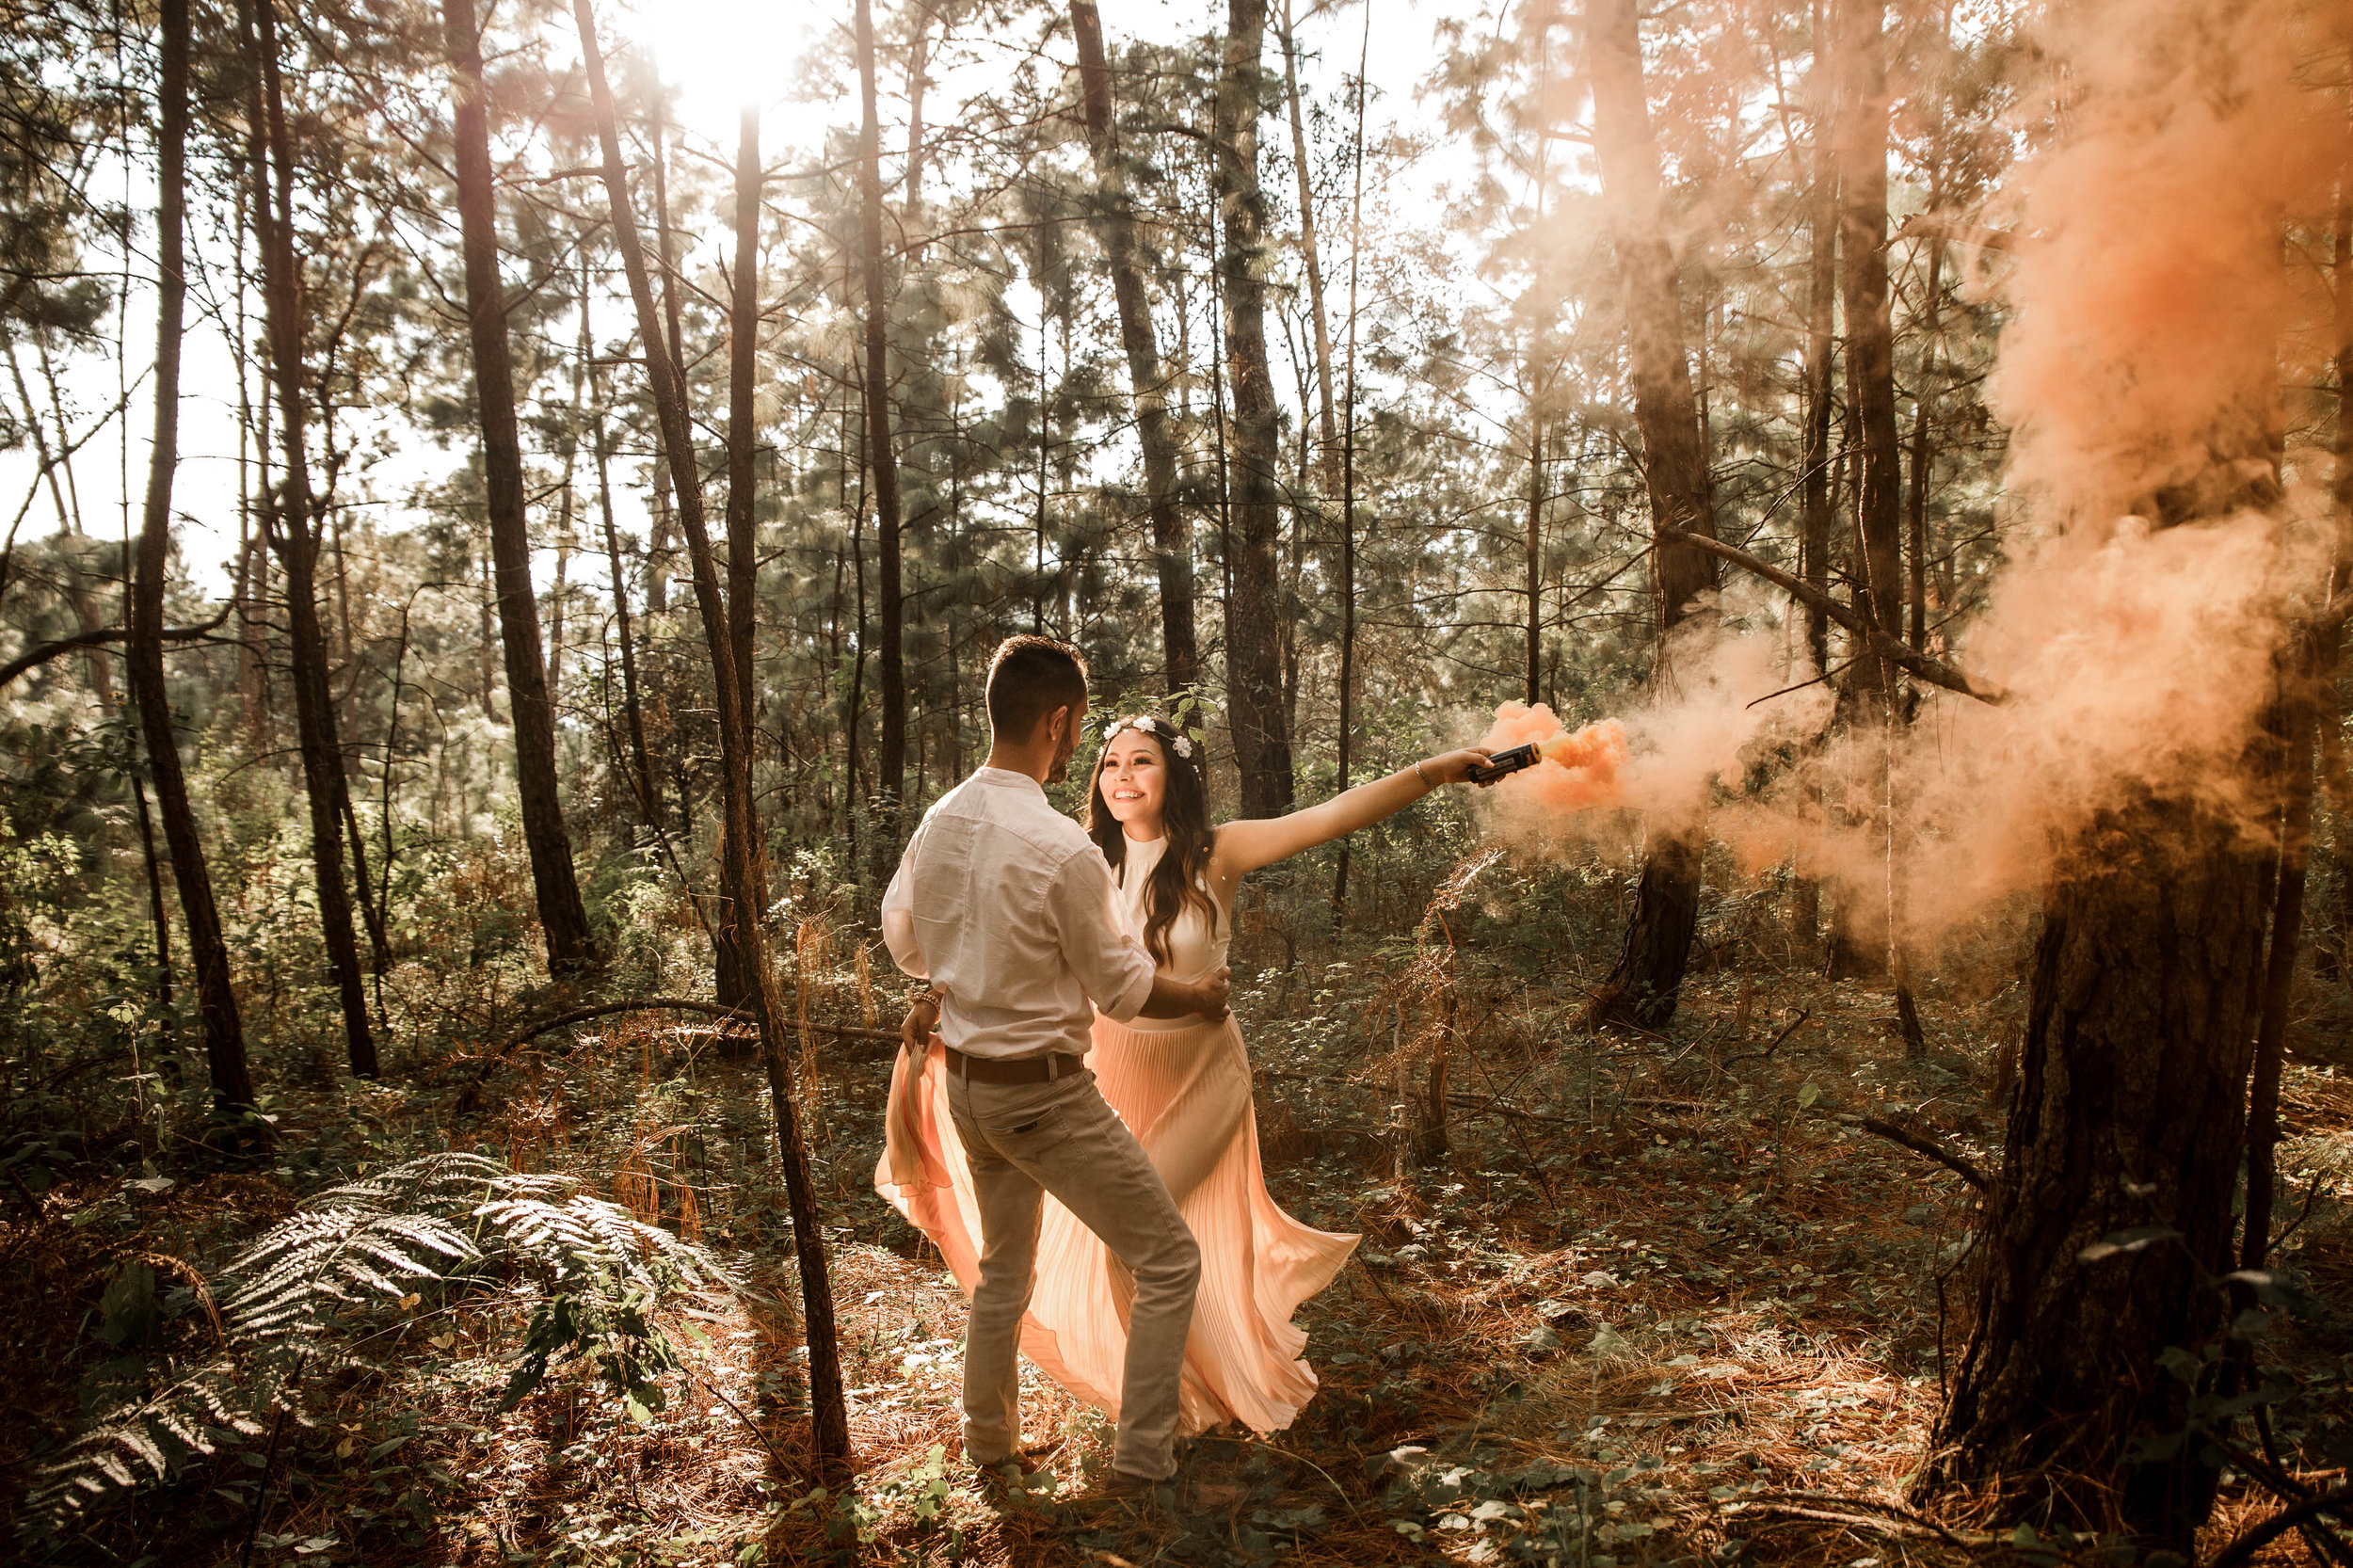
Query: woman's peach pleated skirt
[1185, 1094]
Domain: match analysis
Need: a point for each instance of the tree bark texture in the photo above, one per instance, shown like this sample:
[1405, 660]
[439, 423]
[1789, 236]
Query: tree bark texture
[208, 949]
[830, 1429]
[1254, 666]
[2128, 1114]
[293, 535]
[1114, 226]
[1860, 924]
[1814, 459]
[563, 918]
[891, 755]
[1644, 985]
[734, 963]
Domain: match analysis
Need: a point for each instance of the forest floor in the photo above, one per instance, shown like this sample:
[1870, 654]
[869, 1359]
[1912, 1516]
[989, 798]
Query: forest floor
[1661, 1300]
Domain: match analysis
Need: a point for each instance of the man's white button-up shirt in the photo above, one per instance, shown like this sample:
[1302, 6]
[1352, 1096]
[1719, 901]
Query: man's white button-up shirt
[1006, 904]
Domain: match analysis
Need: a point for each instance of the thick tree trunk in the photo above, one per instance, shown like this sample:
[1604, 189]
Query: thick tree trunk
[208, 949]
[563, 918]
[1643, 988]
[829, 1415]
[1254, 666]
[882, 459]
[1115, 230]
[295, 537]
[1860, 924]
[2129, 1109]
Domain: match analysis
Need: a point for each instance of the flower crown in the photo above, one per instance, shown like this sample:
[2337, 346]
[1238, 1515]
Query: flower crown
[1145, 724]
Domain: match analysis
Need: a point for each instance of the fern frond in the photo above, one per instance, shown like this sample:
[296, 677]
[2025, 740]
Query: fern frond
[290, 1300]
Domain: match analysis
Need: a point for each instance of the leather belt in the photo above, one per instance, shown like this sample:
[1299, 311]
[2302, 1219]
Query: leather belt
[1014, 1069]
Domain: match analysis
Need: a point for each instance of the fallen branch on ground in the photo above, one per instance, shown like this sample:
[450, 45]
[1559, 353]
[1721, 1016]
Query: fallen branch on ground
[471, 1093]
[1893, 650]
[1960, 1165]
[2255, 1537]
[1767, 1054]
[1897, 1511]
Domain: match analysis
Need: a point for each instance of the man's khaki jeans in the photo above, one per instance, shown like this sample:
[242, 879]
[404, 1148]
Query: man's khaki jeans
[1024, 1141]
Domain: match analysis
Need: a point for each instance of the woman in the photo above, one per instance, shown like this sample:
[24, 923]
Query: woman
[1181, 1084]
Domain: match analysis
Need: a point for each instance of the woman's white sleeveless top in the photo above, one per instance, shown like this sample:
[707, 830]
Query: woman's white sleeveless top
[1197, 944]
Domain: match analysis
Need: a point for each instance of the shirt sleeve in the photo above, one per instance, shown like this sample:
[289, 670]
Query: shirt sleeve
[897, 926]
[1109, 964]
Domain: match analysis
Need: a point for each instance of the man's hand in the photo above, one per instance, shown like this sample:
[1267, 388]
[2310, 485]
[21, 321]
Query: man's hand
[1183, 998]
[1214, 991]
[915, 1032]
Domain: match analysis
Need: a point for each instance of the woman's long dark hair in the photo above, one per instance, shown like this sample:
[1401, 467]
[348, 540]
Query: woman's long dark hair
[1184, 818]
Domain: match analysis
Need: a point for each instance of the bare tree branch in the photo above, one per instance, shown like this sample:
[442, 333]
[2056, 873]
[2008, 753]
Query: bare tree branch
[35, 658]
[1934, 671]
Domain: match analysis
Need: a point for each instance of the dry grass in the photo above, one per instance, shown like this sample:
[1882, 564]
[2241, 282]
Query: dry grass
[1662, 1265]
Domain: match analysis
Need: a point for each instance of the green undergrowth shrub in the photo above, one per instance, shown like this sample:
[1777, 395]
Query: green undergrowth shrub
[323, 1294]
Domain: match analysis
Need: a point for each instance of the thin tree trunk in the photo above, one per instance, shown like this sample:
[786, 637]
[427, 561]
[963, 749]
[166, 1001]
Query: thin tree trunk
[295, 538]
[733, 964]
[1644, 985]
[1116, 229]
[1329, 452]
[1535, 548]
[1805, 904]
[649, 788]
[829, 1417]
[1860, 928]
[891, 761]
[154, 878]
[2310, 672]
[1253, 672]
[217, 1001]
[562, 915]
[1923, 456]
[1348, 477]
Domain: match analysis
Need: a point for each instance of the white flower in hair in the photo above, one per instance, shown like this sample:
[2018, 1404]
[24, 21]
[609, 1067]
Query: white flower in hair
[1184, 748]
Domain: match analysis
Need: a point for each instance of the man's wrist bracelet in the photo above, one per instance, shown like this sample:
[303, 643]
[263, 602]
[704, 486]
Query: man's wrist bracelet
[1423, 776]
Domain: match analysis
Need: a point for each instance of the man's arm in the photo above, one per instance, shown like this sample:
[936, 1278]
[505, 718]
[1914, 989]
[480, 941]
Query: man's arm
[1180, 999]
[1111, 965]
[898, 926]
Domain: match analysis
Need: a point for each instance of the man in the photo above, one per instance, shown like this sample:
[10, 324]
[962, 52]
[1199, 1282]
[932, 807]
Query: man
[1005, 904]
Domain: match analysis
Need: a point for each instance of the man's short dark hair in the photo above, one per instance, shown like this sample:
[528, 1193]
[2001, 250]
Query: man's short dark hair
[1029, 679]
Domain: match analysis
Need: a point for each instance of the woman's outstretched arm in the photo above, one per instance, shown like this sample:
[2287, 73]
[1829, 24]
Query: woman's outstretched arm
[1245, 845]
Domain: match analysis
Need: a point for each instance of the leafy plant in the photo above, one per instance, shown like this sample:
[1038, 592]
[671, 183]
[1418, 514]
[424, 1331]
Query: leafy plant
[307, 1298]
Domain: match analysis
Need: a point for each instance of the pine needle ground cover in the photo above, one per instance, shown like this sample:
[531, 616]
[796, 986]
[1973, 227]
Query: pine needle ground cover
[1622, 1299]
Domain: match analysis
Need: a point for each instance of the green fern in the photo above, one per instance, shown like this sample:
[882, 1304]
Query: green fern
[299, 1303]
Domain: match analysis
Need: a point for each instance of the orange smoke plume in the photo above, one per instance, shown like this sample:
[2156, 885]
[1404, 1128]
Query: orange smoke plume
[1581, 771]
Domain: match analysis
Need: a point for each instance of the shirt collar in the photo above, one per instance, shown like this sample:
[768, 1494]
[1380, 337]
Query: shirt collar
[1005, 779]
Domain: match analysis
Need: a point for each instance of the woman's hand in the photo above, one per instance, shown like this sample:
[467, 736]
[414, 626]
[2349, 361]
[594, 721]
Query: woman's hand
[1453, 767]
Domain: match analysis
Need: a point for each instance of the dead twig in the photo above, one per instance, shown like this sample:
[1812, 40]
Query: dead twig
[1767, 1054]
[1960, 1165]
[1894, 1510]
[2255, 1537]
[473, 1092]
